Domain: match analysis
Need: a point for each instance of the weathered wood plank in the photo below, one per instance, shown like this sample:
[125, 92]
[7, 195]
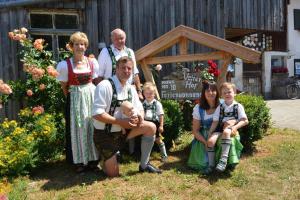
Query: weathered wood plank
[183, 46]
[148, 76]
[225, 62]
[185, 58]
[222, 45]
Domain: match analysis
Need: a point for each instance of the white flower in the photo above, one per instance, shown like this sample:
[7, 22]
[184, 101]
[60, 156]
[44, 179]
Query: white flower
[158, 67]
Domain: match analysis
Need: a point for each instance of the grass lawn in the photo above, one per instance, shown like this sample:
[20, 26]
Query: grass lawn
[272, 172]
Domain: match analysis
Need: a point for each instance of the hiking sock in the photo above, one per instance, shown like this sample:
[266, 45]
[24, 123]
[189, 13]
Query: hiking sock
[211, 156]
[163, 151]
[226, 142]
[146, 147]
[131, 144]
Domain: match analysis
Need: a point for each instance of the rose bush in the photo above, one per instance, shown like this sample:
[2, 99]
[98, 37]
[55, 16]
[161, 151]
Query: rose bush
[40, 86]
[38, 135]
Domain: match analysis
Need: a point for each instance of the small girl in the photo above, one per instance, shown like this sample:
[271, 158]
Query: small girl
[154, 112]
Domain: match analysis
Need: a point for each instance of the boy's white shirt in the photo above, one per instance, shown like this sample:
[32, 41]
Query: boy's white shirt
[229, 108]
[159, 109]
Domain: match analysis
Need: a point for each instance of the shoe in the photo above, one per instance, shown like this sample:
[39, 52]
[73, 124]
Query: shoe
[150, 168]
[208, 170]
[80, 169]
[221, 165]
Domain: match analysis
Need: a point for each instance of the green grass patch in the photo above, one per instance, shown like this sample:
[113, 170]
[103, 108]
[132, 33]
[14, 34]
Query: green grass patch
[271, 172]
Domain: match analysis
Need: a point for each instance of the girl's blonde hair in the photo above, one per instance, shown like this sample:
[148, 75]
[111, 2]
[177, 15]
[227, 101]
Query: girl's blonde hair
[149, 86]
[78, 36]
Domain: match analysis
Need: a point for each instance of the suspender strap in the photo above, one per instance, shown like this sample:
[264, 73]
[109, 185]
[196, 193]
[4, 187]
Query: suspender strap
[221, 113]
[151, 107]
[201, 113]
[113, 58]
[115, 103]
[234, 113]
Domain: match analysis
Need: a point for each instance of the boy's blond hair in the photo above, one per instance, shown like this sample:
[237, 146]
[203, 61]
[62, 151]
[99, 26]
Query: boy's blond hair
[228, 85]
[149, 86]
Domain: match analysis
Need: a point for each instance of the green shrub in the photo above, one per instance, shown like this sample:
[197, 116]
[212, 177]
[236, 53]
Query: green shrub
[187, 109]
[44, 129]
[16, 149]
[259, 119]
[173, 121]
[31, 141]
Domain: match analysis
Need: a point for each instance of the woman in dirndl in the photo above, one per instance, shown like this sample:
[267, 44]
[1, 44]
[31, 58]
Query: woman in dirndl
[76, 75]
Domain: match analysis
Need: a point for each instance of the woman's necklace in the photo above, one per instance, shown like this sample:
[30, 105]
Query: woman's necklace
[80, 64]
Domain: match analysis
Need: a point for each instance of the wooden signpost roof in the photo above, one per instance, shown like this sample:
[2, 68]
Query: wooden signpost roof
[225, 50]
[183, 33]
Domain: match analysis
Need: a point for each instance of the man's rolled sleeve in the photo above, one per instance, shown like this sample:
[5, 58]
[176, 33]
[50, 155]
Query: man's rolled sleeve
[100, 102]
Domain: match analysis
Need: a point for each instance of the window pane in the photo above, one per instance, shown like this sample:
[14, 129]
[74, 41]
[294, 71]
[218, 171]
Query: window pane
[41, 21]
[62, 41]
[47, 38]
[66, 21]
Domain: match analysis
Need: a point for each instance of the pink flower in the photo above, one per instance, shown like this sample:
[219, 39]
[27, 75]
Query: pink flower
[68, 47]
[38, 110]
[37, 73]
[52, 72]
[29, 93]
[4, 88]
[11, 35]
[42, 87]
[3, 197]
[38, 44]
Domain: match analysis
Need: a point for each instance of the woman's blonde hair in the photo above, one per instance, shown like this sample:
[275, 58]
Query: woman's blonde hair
[78, 36]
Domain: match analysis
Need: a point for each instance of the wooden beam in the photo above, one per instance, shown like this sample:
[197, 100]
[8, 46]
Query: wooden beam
[225, 63]
[148, 76]
[183, 46]
[214, 42]
[218, 55]
[8, 4]
[160, 44]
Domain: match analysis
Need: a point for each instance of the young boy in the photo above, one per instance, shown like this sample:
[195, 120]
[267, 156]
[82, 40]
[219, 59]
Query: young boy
[231, 116]
[154, 112]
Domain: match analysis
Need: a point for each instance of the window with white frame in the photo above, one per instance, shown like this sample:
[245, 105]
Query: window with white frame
[55, 27]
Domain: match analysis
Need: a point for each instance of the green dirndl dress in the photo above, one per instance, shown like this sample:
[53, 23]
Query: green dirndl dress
[198, 158]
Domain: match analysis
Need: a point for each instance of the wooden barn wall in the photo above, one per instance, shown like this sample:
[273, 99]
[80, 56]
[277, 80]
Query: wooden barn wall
[146, 20]
[143, 21]
[10, 68]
